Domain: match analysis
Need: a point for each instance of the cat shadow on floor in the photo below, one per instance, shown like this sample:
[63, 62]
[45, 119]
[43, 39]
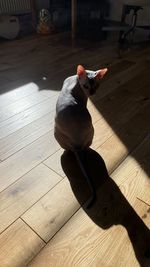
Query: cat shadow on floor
[111, 207]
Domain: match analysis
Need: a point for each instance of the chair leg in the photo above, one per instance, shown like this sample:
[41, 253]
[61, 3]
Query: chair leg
[123, 40]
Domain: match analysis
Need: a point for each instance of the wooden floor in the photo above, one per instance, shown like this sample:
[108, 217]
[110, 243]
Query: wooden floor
[42, 189]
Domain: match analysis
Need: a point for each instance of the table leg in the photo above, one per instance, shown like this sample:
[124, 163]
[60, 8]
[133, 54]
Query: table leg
[73, 19]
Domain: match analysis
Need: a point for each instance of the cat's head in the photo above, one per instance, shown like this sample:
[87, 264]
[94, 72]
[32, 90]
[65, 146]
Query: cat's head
[90, 80]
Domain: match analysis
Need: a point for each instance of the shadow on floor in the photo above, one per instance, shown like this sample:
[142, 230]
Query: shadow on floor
[126, 110]
[111, 207]
[33, 65]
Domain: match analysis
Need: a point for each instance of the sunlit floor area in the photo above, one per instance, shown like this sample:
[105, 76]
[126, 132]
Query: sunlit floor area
[44, 221]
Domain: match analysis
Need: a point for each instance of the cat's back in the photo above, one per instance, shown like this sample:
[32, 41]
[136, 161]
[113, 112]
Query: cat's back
[72, 116]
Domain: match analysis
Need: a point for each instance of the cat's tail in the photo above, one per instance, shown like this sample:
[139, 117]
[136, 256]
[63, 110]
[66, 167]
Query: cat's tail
[81, 161]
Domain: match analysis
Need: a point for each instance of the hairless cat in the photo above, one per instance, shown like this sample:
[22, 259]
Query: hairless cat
[73, 124]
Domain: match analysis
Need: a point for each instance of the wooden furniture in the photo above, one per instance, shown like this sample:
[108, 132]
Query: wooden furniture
[127, 9]
[73, 19]
[33, 10]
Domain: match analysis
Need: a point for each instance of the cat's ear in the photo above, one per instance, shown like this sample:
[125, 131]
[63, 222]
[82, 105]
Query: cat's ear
[81, 72]
[100, 73]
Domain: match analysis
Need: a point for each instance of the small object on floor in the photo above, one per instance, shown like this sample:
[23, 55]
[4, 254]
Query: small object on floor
[45, 25]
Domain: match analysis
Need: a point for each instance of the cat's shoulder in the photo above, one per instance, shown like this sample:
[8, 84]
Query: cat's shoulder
[71, 79]
[70, 82]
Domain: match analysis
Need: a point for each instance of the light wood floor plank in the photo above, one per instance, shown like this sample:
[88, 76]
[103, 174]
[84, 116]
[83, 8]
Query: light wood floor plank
[113, 150]
[132, 170]
[26, 135]
[34, 69]
[20, 196]
[31, 175]
[144, 194]
[18, 245]
[121, 108]
[120, 78]
[26, 159]
[23, 91]
[23, 104]
[127, 175]
[54, 162]
[26, 117]
[117, 147]
[139, 54]
[52, 211]
[31, 132]
[127, 88]
[83, 243]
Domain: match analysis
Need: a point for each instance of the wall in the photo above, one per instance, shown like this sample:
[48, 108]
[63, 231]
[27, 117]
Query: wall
[42, 4]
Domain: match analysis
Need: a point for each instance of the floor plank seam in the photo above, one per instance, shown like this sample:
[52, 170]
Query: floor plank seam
[26, 96]
[20, 216]
[36, 138]
[143, 201]
[22, 176]
[31, 113]
[67, 221]
[49, 131]
[51, 155]
[42, 101]
[28, 125]
[41, 117]
[56, 93]
[54, 234]
[8, 226]
[32, 229]
[34, 256]
[64, 224]
[143, 107]
[47, 233]
[96, 121]
[110, 173]
[26, 145]
[42, 196]
[132, 151]
[46, 158]
[52, 169]
[146, 137]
